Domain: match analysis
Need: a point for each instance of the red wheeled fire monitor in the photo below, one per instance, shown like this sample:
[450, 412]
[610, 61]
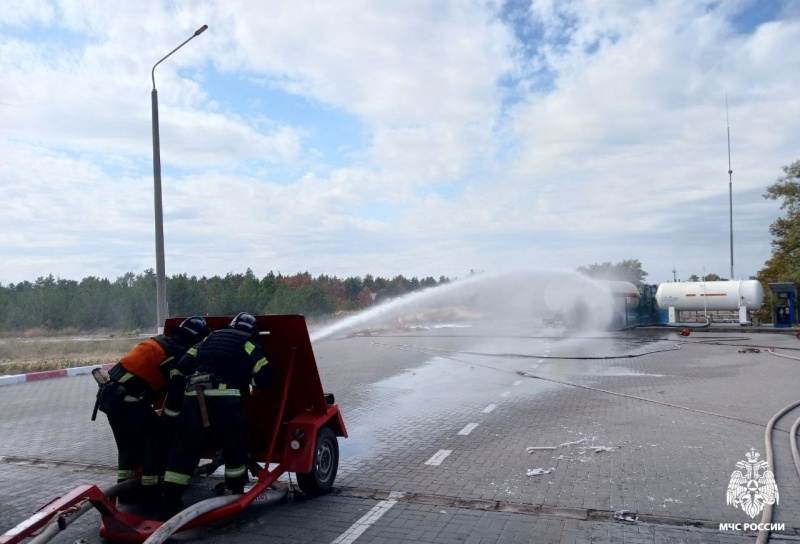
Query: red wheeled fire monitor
[292, 425]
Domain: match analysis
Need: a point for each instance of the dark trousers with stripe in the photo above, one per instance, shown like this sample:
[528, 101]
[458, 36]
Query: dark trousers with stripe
[142, 440]
[227, 418]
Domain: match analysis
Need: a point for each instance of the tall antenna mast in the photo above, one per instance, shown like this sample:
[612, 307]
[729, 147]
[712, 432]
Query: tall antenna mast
[730, 180]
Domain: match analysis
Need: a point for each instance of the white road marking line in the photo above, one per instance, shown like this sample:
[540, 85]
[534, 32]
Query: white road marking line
[356, 529]
[505, 393]
[488, 408]
[517, 382]
[438, 457]
[468, 429]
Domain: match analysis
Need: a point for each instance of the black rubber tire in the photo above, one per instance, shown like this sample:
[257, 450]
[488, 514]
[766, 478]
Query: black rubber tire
[326, 462]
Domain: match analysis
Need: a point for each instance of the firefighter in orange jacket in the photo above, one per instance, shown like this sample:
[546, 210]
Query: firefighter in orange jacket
[143, 439]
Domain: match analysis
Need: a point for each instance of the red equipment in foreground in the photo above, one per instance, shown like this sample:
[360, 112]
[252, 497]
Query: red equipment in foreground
[292, 424]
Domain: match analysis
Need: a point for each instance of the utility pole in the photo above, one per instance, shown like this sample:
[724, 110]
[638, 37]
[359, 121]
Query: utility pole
[161, 277]
[730, 181]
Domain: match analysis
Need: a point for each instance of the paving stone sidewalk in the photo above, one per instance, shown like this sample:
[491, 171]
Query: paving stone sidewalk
[674, 416]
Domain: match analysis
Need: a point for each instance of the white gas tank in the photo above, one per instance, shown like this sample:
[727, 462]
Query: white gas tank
[621, 291]
[710, 295]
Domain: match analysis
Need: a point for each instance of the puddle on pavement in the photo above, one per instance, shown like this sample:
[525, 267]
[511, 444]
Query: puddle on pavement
[563, 369]
[416, 402]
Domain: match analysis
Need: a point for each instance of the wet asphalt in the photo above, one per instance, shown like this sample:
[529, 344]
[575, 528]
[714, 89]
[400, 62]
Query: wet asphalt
[489, 432]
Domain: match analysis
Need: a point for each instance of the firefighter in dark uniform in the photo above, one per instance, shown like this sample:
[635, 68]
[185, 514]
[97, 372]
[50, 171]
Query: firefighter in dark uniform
[219, 371]
[143, 375]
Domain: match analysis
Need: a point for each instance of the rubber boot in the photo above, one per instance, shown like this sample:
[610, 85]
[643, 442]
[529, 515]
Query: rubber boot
[150, 497]
[130, 496]
[171, 502]
[236, 485]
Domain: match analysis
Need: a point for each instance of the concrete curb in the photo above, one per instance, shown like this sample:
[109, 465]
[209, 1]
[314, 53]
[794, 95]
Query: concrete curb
[47, 374]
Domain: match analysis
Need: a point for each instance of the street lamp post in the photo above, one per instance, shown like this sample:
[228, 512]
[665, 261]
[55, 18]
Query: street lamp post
[730, 182]
[161, 280]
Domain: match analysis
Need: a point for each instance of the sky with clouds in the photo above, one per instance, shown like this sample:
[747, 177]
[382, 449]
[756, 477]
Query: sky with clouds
[423, 137]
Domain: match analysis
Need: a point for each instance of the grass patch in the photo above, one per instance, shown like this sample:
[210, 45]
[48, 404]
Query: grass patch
[23, 355]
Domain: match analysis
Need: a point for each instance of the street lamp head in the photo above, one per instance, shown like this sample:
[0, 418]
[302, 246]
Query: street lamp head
[196, 33]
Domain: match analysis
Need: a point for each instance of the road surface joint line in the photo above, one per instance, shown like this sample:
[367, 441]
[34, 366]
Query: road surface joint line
[596, 515]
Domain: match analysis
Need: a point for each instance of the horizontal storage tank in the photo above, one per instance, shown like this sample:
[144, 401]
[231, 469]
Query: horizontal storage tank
[710, 295]
[620, 290]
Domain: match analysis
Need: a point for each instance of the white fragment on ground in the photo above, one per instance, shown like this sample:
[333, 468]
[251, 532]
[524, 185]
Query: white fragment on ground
[532, 449]
[563, 458]
[539, 471]
[605, 448]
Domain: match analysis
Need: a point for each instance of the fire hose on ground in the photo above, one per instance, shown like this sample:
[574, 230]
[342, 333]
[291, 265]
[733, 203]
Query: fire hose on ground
[198, 509]
[766, 514]
[65, 519]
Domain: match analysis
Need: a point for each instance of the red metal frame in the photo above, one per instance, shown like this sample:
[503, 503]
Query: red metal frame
[126, 527]
[292, 407]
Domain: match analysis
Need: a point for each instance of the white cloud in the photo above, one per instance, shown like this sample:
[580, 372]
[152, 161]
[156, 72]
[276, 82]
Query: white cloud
[566, 134]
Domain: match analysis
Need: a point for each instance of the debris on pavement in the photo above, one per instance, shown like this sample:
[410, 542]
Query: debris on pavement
[565, 444]
[540, 471]
[532, 449]
[626, 515]
[605, 448]
[749, 350]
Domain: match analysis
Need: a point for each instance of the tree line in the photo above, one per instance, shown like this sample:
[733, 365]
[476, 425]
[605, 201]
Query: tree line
[129, 302]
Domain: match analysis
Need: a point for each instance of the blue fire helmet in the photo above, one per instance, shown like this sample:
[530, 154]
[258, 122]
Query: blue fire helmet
[246, 323]
[192, 330]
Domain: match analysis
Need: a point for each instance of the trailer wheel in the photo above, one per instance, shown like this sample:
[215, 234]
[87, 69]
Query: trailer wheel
[326, 462]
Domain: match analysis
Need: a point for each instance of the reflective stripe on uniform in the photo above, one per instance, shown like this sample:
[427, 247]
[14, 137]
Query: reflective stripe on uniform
[165, 361]
[176, 478]
[129, 398]
[123, 474]
[125, 377]
[234, 472]
[149, 480]
[171, 413]
[249, 347]
[174, 372]
[260, 364]
[216, 393]
[192, 351]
